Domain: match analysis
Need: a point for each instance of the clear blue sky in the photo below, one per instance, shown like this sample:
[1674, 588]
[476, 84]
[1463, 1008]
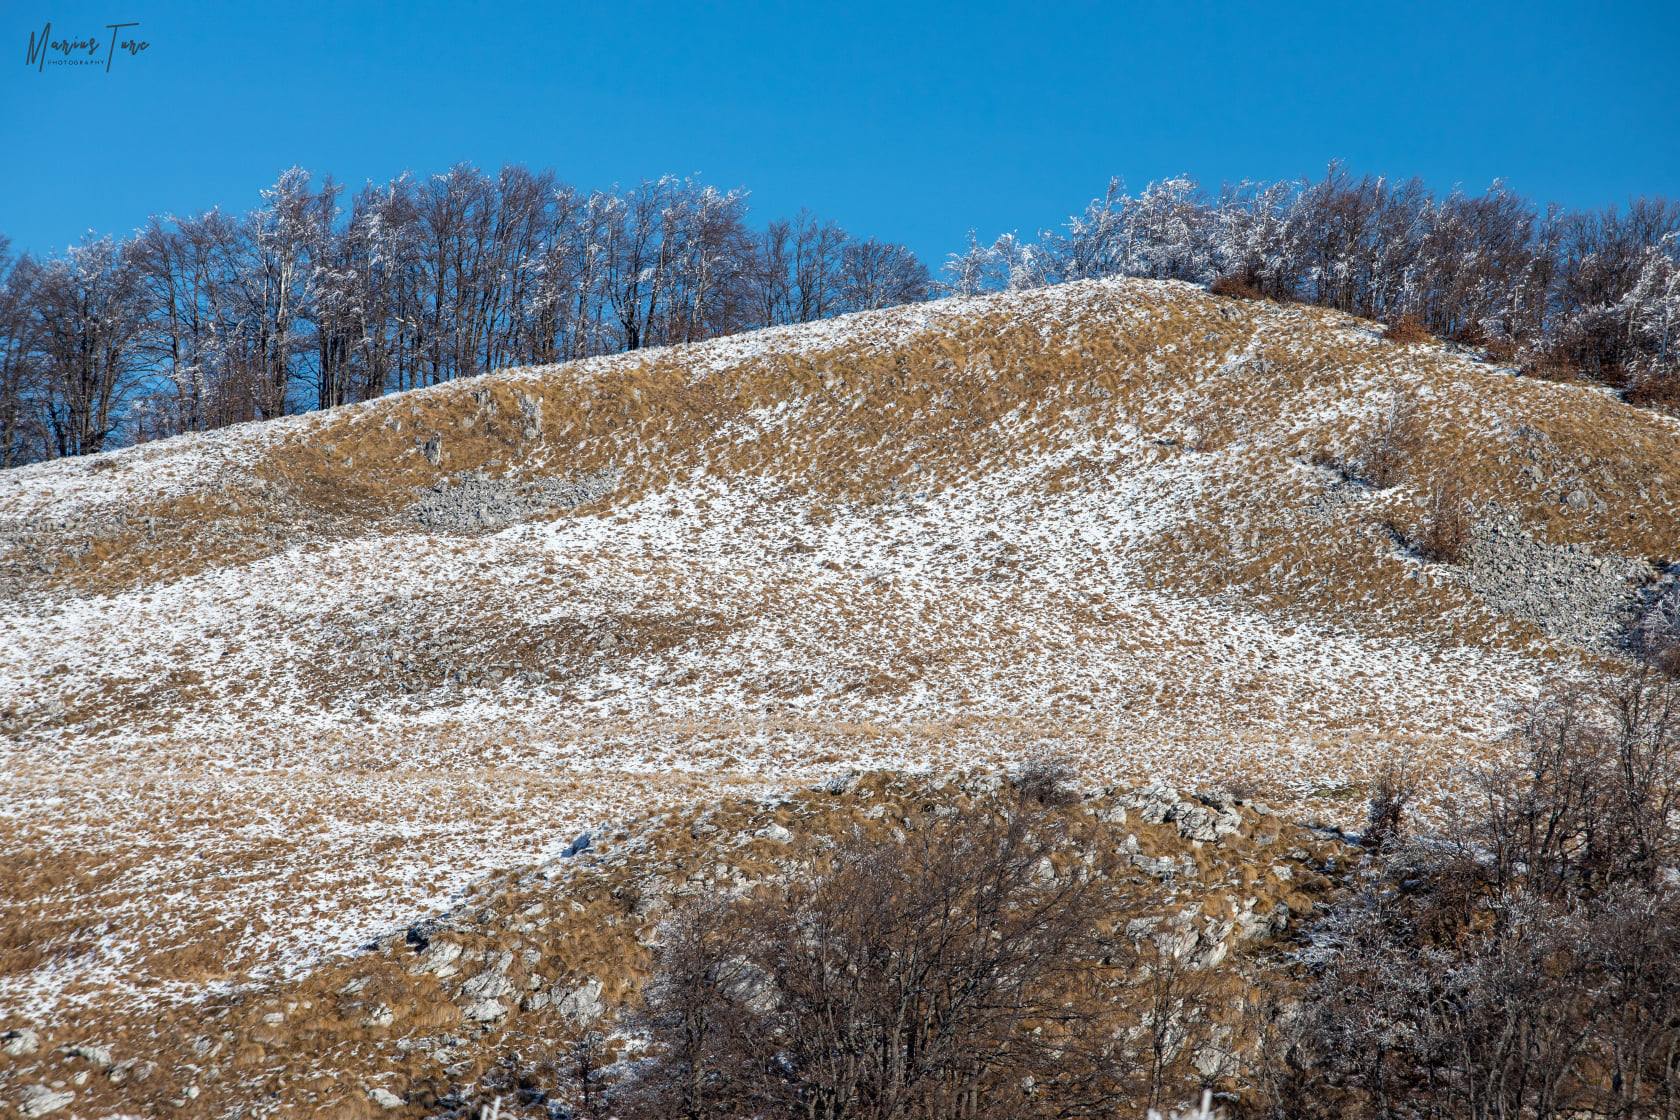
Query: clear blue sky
[910, 122]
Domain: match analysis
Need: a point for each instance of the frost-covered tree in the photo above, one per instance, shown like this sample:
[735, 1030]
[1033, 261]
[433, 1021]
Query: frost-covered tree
[22, 434]
[88, 312]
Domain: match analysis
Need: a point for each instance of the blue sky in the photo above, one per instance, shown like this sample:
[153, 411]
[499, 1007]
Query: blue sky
[910, 122]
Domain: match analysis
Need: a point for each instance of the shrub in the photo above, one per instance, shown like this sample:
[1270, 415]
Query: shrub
[1549, 365]
[1392, 793]
[1445, 535]
[1502, 349]
[1524, 961]
[1656, 637]
[1389, 447]
[1406, 330]
[946, 974]
[1236, 286]
[1659, 392]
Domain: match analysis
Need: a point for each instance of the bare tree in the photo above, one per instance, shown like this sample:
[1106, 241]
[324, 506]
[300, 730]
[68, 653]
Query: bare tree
[22, 435]
[954, 974]
[88, 312]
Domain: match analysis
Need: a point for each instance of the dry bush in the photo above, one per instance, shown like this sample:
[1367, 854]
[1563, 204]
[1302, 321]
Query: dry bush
[1656, 637]
[1407, 329]
[1236, 286]
[1502, 349]
[1392, 793]
[950, 974]
[1661, 393]
[1549, 365]
[1525, 961]
[1445, 534]
[1389, 448]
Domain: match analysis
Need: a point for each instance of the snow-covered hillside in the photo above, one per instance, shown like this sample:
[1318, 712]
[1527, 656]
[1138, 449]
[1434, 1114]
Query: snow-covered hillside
[268, 692]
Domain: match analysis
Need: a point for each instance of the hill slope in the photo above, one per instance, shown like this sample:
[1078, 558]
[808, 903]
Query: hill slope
[273, 690]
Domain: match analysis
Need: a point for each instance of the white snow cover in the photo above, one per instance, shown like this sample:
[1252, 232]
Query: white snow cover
[265, 788]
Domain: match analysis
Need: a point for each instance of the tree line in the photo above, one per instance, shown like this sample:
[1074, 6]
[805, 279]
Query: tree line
[318, 297]
[1593, 294]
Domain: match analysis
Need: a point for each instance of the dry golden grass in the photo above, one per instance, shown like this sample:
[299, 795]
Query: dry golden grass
[315, 1044]
[143, 826]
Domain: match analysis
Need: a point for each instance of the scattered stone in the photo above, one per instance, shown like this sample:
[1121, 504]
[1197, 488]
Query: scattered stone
[486, 1010]
[842, 784]
[1569, 591]
[774, 833]
[17, 1043]
[99, 1056]
[384, 1098]
[38, 1100]
[477, 502]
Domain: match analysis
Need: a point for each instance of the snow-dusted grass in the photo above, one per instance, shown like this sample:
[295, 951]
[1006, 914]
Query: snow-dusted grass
[1077, 521]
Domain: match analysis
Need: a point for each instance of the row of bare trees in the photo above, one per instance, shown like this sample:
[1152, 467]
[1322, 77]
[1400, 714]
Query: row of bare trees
[319, 297]
[1589, 293]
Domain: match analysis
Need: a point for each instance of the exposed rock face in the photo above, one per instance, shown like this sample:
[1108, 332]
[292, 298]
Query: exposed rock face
[581, 1005]
[1569, 591]
[476, 502]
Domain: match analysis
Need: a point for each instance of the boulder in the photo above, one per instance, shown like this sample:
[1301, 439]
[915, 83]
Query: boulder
[38, 1100]
[17, 1043]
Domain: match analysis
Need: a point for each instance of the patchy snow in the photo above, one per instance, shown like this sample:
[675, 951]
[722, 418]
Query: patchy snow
[239, 770]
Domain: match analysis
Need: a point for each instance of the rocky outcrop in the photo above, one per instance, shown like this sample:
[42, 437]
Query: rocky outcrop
[1569, 591]
[476, 501]
[558, 952]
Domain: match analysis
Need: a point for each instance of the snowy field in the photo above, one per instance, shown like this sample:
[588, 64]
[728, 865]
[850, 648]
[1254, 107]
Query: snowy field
[1123, 552]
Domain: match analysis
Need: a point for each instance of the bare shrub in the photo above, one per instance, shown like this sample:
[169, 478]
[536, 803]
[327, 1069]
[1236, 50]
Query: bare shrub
[1392, 793]
[956, 973]
[1657, 635]
[1549, 365]
[1388, 450]
[1237, 286]
[1046, 782]
[1659, 392]
[1525, 962]
[1501, 348]
[1444, 536]
[1407, 329]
